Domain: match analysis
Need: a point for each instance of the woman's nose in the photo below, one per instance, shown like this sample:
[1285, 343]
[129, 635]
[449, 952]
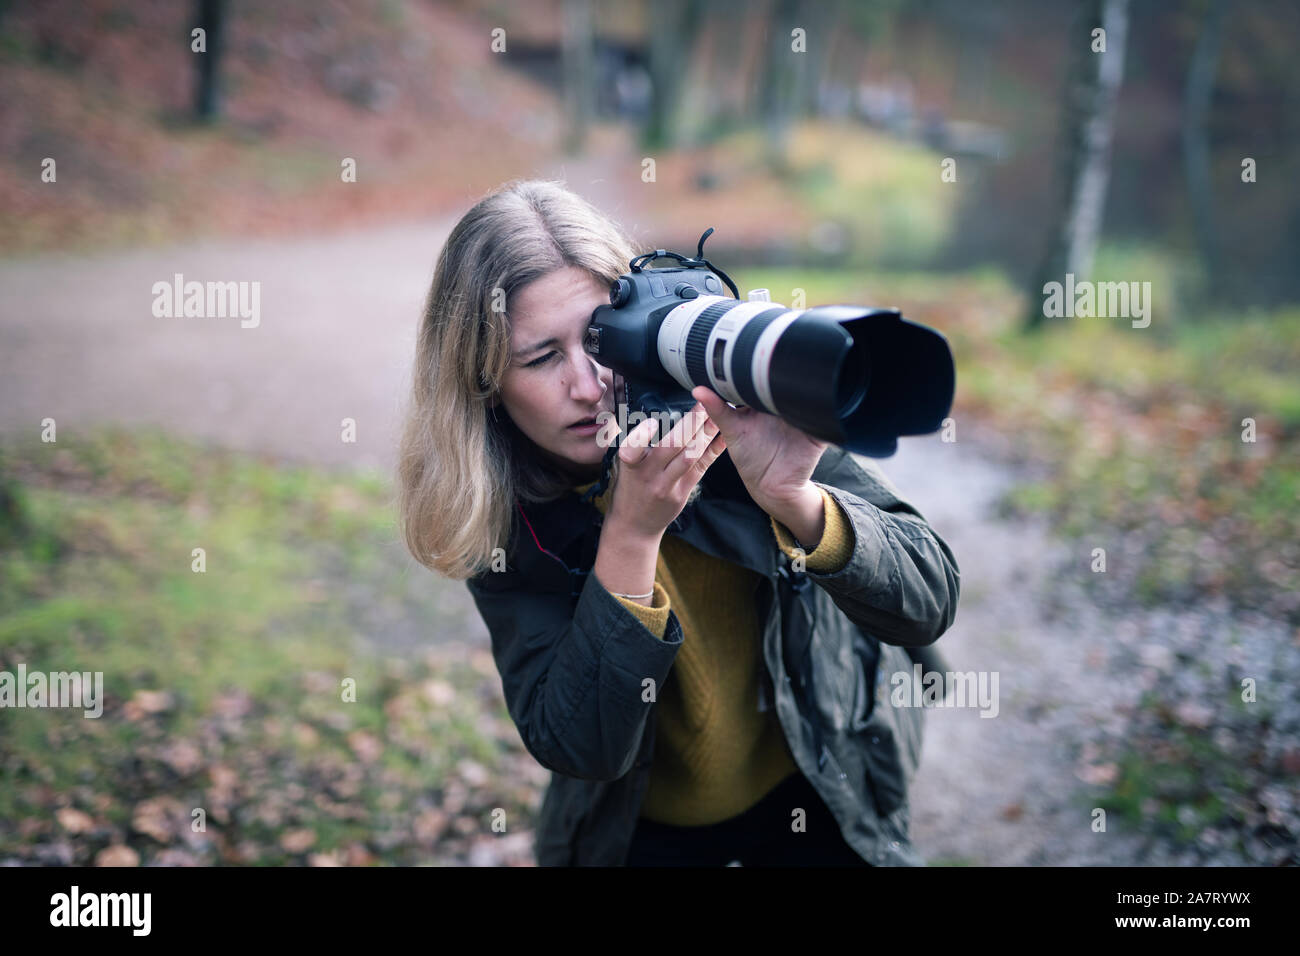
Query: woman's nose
[590, 384]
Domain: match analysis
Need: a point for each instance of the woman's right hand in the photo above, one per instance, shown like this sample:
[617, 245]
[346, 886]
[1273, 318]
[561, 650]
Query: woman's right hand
[654, 481]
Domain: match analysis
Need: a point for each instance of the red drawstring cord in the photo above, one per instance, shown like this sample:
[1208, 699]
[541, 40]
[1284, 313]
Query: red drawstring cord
[534, 534]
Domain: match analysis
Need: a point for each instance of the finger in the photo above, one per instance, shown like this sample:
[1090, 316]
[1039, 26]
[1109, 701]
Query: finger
[703, 434]
[636, 446]
[685, 432]
[689, 436]
[695, 461]
[679, 436]
[718, 410]
[694, 470]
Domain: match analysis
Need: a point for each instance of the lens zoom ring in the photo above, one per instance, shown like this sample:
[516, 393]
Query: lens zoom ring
[697, 341]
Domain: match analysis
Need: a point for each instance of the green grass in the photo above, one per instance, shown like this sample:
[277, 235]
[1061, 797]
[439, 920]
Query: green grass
[887, 193]
[884, 193]
[96, 575]
[1176, 778]
[1147, 436]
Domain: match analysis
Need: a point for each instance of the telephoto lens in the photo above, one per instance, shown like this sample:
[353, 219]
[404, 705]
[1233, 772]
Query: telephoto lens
[858, 377]
[855, 376]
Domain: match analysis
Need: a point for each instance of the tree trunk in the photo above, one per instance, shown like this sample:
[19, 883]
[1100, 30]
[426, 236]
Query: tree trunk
[207, 99]
[782, 84]
[579, 79]
[1196, 146]
[1092, 87]
[833, 28]
[674, 27]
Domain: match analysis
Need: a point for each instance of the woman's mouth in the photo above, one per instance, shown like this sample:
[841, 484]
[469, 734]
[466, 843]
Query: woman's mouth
[588, 426]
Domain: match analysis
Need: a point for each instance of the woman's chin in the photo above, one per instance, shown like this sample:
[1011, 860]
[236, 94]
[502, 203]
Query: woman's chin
[580, 457]
[587, 464]
[585, 449]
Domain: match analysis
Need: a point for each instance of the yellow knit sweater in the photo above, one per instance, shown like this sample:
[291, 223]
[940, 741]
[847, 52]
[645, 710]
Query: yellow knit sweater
[716, 754]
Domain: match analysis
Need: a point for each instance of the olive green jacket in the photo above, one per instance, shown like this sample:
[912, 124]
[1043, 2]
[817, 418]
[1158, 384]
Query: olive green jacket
[573, 659]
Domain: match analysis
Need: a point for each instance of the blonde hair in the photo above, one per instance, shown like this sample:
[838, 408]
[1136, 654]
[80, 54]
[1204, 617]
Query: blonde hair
[462, 464]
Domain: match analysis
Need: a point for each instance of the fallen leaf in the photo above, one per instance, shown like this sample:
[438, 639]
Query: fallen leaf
[153, 701]
[75, 821]
[117, 855]
[156, 818]
[365, 745]
[320, 682]
[473, 773]
[182, 756]
[232, 704]
[146, 702]
[305, 735]
[1098, 774]
[358, 855]
[429, 825]
[297, 841]
[224, 779]
[1194, 714]
[439, 693]
[1291, 760]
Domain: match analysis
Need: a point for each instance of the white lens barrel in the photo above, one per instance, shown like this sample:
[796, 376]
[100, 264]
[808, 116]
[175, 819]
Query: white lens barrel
[720, 348]
[673, 332]
[727, 331]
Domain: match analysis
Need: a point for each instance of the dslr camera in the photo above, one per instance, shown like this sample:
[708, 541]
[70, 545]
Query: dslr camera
[854, 376]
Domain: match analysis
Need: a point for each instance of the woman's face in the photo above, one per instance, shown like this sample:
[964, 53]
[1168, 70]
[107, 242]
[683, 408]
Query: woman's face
[551, 382]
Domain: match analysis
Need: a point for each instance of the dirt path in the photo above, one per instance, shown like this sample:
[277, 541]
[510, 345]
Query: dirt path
[79, 343]
[1000, 790]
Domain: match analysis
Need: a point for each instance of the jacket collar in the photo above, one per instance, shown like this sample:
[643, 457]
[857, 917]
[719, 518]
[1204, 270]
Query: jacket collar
[723, 522]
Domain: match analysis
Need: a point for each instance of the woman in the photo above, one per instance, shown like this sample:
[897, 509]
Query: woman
[661, 648]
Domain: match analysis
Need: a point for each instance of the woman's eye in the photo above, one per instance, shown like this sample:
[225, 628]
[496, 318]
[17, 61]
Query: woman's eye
[540, 361]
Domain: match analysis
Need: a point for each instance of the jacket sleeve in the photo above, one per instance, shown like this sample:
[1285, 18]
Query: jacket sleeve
[901, 581]
[574, 682]
[655, 615]
[836, 546]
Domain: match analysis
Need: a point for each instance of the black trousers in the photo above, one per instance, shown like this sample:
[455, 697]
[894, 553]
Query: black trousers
[761, 836]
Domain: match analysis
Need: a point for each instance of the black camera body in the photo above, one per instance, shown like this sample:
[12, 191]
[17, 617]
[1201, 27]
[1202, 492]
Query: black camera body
[854, 376]
[623, 335]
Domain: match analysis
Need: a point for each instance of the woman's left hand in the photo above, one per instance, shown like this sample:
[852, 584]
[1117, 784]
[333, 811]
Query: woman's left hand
[774, 459]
